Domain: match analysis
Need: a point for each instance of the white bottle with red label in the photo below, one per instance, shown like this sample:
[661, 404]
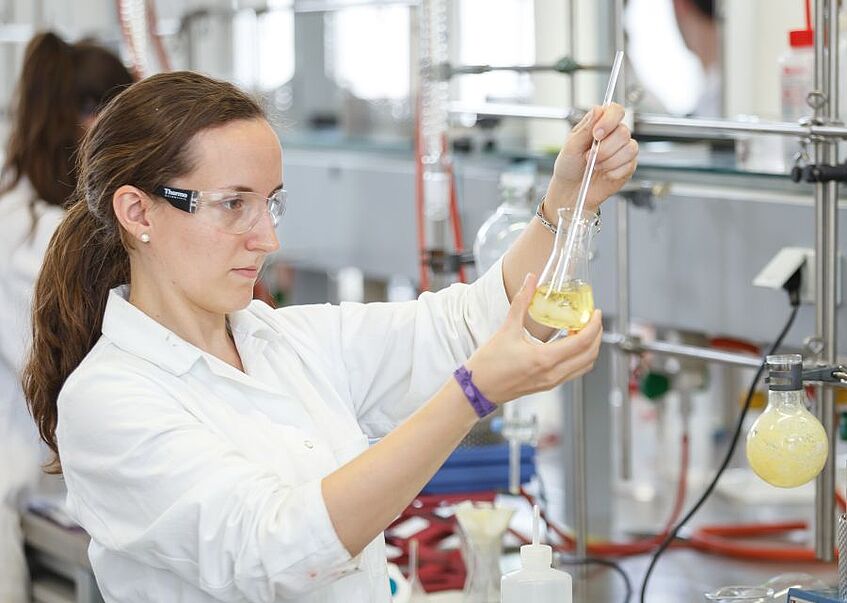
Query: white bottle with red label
[797, 77]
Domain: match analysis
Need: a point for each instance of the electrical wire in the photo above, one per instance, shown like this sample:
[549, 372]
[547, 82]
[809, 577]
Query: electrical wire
[637, 547]
[606, 563]
[583, 561]
[727, 458]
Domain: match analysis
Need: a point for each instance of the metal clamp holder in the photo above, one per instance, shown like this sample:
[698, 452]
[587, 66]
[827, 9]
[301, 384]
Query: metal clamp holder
[819, 173]
[442, 262]
[827, 374]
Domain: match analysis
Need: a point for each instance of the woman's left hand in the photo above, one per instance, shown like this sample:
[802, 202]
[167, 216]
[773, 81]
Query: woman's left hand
[616, 160]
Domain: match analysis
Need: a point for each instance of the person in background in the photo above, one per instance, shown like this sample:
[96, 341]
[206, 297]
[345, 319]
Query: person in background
[61, 88]
[699, 28]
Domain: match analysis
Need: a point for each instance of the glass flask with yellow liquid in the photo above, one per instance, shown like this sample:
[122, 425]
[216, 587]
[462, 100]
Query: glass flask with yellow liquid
[787, 446]
[564, 299]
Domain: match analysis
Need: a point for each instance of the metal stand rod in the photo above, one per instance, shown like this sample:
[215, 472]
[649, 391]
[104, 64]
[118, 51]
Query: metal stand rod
[572, 48]
[580, 473]
[636, 346]
[622, 399]
[620, 362]
[563, 68]
[516, 110]
[658, 125]
[648, 124]
[826, 201]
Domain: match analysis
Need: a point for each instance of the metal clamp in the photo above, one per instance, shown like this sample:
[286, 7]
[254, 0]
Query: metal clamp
[444, 262]
[827, 374]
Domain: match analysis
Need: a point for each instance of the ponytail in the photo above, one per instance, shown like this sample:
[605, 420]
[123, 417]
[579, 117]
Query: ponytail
[86, 259]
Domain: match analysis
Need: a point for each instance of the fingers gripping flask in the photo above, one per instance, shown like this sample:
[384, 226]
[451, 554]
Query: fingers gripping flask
[564, 299]
[787, 446]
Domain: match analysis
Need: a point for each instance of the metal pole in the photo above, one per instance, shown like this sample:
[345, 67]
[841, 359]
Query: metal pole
[647, 124]
[636, 346]
[516, 110]
[622, 402]
[572, 48]
[720, 19]
[826, 196]
[580, 474]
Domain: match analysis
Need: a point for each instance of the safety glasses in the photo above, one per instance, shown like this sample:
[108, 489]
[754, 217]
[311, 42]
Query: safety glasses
[233, 212]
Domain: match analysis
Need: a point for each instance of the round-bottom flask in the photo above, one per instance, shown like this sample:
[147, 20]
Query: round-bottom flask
[787, 446]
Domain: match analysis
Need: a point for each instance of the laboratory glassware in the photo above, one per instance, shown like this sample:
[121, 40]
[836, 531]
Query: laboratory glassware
[740, 594]
[483, 525]
[562, 298]
[787, 445]
[505, 225]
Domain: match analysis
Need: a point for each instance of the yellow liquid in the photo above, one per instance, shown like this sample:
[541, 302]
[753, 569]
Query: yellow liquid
[787, 449]
[568, 308]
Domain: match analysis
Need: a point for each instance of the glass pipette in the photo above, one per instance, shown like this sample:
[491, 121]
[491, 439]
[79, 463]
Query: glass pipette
[592, 160]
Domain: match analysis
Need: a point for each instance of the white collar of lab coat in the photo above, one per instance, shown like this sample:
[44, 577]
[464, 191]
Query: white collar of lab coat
[134, 331]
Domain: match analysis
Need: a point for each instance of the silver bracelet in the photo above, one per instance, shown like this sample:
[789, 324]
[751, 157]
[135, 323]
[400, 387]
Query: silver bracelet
[547, 223]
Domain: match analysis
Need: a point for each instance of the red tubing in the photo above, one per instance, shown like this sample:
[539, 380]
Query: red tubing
[456, 222]
[637, 547]
[455, 217]
[714, 539]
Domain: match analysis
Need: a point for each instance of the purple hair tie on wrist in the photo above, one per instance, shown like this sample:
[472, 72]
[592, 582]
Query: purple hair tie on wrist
[481, 405]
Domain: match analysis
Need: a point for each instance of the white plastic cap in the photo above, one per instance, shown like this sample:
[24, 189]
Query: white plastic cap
[536, 556]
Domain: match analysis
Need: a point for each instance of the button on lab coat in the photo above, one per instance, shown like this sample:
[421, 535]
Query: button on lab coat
[200, 483]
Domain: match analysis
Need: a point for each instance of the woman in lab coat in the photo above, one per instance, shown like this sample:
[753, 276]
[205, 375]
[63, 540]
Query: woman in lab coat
[216, 449]
[61, 87]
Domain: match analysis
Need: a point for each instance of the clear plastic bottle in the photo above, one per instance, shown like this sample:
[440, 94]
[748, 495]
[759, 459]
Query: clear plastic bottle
[504, 226]
[536, 581]
[796, 76]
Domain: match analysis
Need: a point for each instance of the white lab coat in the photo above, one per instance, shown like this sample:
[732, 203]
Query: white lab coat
[200, 483]
[26, 225]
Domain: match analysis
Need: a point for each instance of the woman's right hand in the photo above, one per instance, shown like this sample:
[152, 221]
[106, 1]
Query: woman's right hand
[510, 365]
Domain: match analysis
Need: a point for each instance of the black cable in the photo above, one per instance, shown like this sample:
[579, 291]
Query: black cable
[729, 453]
[604, 562]
[542, 499]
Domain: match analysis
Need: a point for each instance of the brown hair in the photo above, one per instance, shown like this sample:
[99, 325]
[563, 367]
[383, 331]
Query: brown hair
[141, 138]
[60, 85]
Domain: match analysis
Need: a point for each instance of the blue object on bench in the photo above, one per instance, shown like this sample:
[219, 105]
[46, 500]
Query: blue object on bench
[795, 595]
[480, 468]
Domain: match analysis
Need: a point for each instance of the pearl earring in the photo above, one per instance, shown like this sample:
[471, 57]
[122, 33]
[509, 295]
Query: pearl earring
[145, 238]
